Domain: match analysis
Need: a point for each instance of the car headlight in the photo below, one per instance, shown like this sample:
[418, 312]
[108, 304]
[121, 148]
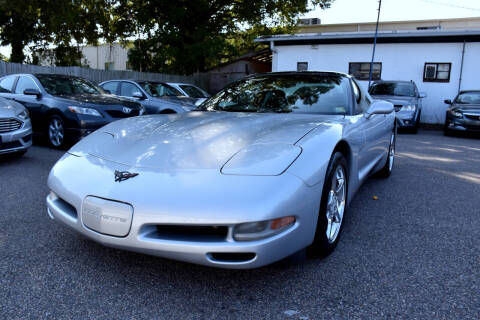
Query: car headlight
[23, 115]
[262, 229]
[456, 114]
[270, 159]
[408, 108]
[87, 111]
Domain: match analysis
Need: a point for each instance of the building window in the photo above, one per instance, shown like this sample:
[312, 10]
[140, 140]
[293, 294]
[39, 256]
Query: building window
[302, 66]
[437, 72]
[361, 70]
[108, 65]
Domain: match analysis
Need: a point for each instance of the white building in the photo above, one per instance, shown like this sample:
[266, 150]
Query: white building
[440, 61]
[105, 57]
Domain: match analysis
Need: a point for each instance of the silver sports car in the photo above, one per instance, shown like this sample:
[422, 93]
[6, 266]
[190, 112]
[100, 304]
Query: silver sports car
[265, 169]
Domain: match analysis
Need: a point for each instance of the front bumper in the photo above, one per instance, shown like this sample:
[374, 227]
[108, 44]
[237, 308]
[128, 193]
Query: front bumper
[18, 140]
[462, 124]
[187, 199]
[406, 119]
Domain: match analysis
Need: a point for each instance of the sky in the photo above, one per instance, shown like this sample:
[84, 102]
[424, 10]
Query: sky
[345, 11]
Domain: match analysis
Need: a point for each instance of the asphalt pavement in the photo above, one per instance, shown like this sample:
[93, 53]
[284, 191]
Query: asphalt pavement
[413, 253]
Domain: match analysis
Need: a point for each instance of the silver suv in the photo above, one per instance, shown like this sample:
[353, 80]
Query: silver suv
[405, 97]
[15, 127]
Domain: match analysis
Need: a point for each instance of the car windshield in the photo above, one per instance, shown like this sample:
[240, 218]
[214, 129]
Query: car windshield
[323, 94]
[158, 89]
[193, 92]
[468, 98]
[393, 89]
[61, 85]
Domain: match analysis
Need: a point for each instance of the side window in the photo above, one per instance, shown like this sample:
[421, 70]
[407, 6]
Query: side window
[128, 89]
[25, 83]
[7, 83]
[111, 86]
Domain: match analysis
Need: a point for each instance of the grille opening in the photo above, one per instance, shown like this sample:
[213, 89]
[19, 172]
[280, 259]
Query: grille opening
[9, 125]
[232, 256]
[66, 207]
[121, 114]
[188, 233]
[10, 145]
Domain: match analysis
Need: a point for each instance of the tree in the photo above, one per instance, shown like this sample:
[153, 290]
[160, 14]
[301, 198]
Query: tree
[57, 23]
[187, 36]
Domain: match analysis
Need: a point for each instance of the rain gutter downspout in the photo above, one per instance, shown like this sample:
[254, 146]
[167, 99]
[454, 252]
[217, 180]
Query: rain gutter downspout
[461, 67]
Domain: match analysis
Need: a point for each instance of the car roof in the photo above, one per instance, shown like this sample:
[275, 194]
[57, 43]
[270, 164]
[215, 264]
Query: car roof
[394, 81]
[134, 80]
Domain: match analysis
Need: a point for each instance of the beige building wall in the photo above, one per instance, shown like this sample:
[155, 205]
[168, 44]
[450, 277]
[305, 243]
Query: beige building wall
[443, 24]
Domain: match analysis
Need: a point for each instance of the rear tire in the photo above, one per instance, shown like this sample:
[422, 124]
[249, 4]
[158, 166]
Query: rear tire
[332, 208]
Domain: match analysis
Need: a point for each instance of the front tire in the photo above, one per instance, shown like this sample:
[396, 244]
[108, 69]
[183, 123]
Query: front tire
[56, 132]
[332, 207]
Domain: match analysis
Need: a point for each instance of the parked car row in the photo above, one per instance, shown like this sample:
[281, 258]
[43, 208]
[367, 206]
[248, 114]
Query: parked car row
[463, 115]
[65, 109]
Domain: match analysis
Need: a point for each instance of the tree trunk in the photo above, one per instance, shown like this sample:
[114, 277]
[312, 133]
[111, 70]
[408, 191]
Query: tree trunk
[17, 54]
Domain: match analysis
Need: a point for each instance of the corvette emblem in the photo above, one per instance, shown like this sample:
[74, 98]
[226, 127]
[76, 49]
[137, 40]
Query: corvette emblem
[127, 110]
[123, 175]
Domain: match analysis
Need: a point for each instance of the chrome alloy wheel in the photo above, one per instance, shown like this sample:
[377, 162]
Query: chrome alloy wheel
[391, 152]
[336, 204]
[55, 132]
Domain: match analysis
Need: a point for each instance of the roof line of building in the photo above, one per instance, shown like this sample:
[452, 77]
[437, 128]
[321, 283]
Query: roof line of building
[430, 35]
[391, 21]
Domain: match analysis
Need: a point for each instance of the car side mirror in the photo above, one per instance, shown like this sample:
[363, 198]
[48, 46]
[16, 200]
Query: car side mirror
[379, 107]
[138, 95]
[107, 91]
[422, 95]
[448, 101]
[32, 92]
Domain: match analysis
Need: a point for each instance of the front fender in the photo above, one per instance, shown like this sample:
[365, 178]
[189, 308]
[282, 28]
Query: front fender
[317, 148]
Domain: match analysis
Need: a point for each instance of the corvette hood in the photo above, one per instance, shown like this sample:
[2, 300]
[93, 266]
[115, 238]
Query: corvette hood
[195, 140]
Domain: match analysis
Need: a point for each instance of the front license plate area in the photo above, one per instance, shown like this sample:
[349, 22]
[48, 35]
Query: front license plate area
[107, 217]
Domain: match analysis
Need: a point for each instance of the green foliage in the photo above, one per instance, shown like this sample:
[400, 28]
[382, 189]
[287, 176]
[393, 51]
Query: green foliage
[189, 36]
[181, 36]
[57, 23]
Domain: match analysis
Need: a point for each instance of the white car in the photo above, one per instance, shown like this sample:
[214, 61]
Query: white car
[192, 91]
[15, 127]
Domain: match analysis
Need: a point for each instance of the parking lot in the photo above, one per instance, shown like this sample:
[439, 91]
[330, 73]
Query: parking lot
[412, 253]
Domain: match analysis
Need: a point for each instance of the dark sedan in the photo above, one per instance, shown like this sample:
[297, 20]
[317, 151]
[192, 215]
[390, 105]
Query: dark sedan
[463, 113]
[406, 99]
[65, 108]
